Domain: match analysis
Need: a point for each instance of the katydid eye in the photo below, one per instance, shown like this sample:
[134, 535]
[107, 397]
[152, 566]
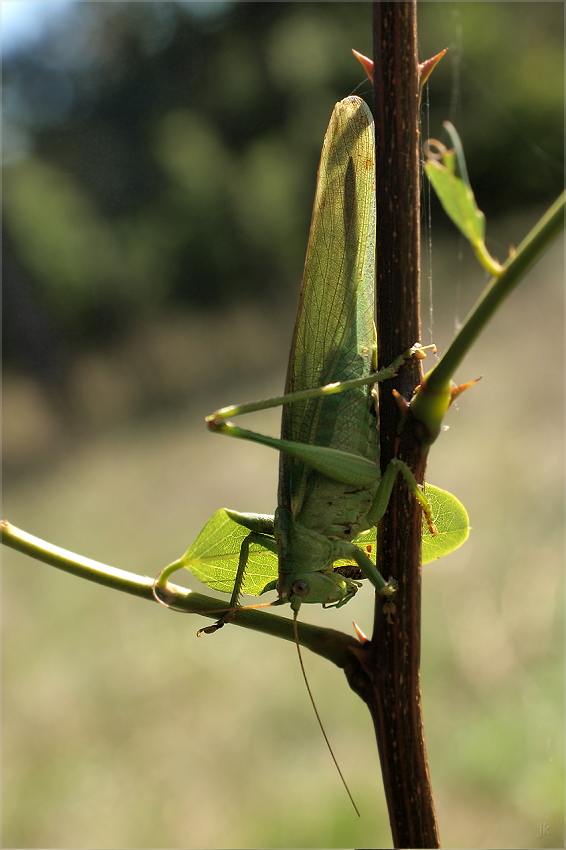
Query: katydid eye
[300, 588]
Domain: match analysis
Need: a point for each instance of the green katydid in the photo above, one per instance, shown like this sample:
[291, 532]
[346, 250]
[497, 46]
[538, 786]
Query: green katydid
[331, 491]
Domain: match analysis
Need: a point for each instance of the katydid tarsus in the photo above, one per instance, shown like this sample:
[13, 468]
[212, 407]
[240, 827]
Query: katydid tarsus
[330, 485]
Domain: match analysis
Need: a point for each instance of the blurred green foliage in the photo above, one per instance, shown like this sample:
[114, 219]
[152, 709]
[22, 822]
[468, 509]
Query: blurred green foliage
[164, 154]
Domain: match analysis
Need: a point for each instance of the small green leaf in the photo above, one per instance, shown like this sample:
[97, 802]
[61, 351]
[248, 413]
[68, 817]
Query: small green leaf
[456, 197]
[452, 523]
[213, 557]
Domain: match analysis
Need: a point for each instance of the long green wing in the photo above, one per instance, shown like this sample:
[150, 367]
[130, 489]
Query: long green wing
[334, 331]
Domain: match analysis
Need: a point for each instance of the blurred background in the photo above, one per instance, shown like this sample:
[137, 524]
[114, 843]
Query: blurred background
[159, 168]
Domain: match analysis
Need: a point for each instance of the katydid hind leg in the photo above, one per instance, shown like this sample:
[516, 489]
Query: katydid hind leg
[342, 466]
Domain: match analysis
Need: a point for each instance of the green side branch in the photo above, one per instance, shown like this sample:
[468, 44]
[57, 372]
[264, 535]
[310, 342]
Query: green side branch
[514, 269]
[333, 645]
[435, 394]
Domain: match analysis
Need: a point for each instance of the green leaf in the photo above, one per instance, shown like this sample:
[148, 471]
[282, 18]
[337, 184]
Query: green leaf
[456, 197]
[451, 520]
[452, 523]
[213, 557]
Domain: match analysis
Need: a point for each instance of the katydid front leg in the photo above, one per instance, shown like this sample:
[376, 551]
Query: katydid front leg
[253, 537]
[261, 533]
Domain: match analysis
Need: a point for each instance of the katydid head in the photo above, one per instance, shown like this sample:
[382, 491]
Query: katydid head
[329, 589]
